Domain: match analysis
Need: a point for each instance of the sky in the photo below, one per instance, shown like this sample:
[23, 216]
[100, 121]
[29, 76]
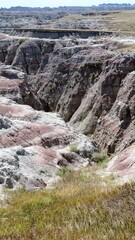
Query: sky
[56, 3]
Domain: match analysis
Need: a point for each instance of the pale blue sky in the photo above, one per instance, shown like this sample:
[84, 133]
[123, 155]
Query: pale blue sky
[56, 3]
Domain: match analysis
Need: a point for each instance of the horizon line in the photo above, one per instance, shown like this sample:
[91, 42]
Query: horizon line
[62, 6]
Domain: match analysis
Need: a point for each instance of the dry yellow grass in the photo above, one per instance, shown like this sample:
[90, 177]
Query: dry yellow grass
[82, 206]
[127, 48]
[117, 22]
[112, 21]
[120, 21]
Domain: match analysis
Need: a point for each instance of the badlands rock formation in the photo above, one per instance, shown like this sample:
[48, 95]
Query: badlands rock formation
[34, 144]
[87, 82]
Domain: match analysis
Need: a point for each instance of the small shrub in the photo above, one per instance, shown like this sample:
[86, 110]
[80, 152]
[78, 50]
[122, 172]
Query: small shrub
[101, 158]
[63, 171]
[103, 163]
[73, 148]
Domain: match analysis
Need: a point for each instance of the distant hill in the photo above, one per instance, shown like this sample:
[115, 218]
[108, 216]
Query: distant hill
[100, 7]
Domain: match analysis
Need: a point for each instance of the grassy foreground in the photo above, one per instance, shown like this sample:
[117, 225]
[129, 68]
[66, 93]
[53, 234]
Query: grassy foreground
[81, 207]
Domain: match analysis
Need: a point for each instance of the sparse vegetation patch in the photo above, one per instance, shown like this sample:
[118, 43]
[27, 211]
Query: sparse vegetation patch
[82, 206]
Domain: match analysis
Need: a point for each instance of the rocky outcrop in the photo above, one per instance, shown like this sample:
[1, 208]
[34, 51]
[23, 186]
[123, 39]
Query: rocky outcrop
[60, 72]
[123, 164]
[34, 145]
[67, 76]
[118, 123]
[108, 105]
[89, 87]
[11, 52]
[4, 44]
[86, 81]
[10, 82]
[30, 55]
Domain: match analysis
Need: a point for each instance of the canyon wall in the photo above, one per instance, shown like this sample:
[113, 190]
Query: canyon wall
[87, 82]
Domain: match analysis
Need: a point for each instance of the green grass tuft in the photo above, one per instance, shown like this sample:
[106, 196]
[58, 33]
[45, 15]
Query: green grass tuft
[101, 158]
[73, 148]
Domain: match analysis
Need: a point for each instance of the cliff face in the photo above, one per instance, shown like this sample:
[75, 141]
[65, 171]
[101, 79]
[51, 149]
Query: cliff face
[108, 106]
[87, 82]
[57, 33]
